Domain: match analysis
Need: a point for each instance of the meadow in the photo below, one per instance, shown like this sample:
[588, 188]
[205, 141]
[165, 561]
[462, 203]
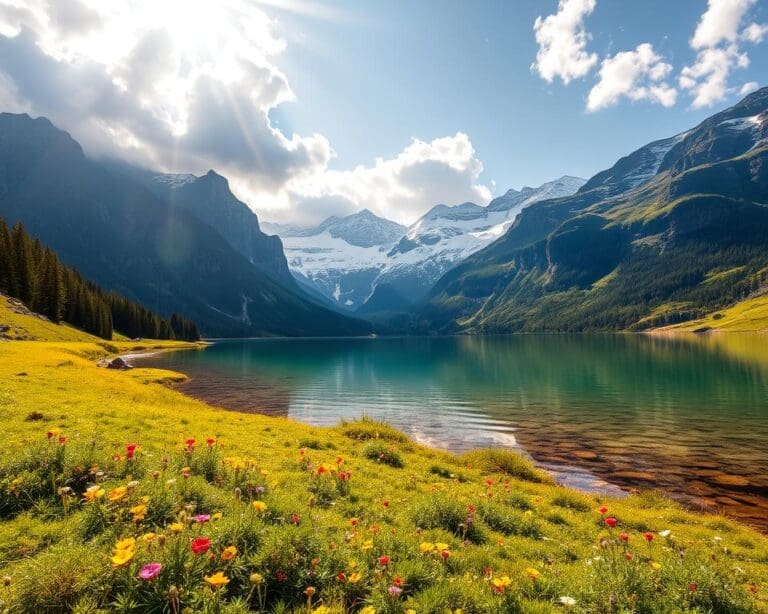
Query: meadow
[118, 493]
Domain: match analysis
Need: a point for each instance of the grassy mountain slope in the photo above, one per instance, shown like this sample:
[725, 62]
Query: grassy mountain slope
[126, 239]
[639, 245]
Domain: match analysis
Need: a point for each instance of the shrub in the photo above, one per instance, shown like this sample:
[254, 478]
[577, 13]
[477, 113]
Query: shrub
[495, 460]
[441, 512]
[383, 454]
[365, 429]
[509, 521]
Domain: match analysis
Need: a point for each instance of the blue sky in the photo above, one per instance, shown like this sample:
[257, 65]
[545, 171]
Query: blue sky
[398, 69]
[314, 108]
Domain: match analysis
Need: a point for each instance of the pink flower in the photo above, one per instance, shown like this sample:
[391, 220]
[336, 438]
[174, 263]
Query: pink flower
[202, 518]
[150, 571]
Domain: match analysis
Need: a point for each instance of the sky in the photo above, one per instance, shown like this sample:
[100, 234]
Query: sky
[317, 107]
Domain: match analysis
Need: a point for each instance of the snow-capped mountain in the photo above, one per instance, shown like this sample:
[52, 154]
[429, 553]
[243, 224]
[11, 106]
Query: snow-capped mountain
[364, 262]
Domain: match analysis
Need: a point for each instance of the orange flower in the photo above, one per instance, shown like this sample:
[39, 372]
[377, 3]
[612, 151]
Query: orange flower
[228, 553]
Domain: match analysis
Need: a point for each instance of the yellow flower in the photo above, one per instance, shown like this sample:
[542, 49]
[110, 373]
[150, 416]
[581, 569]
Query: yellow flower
[367, 545]
[144, 499]
[217, 580]
[259, 506]
[264, 472]
[532, 573]
[148, 537]
[93, 493]
[256, 578]
[322, 610]
[355, 577]
[217, 516]
[186, 471]
[440, 546]
[139, 512]
[122, 557]
[117, 494]
[176, 527]
[229, 553]
[427, 547]
[368, 610]
[129, 543]
[410, 611]
[501, 582]
[655, 566]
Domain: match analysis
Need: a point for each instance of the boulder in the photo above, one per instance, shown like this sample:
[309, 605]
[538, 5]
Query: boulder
[118, 363]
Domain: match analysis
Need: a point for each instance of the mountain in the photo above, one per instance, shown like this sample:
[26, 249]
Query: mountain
[125, 238]
[366, 263]
[674, 230]
[209, 199]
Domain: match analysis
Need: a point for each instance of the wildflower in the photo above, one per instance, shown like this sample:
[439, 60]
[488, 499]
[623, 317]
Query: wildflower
[148, 537]
[603, 510]
[62, 440]
[176, 527]
[228, 553]
[665, 533]
[341, 576]
[202, 518]
[281, 576]
[310, 591]
[693, 587]
[139, 512]
[354, 521]
[394, 591]
[368, 610]
[117, 494]
[386, 503]
[624, 537]
[427, 547]
[7, 581]
[397, 581]
[259, 506]
[190, 444]
[50, 434]
[185, 472]
[648, 536]
[383, 560]
[130, 450]
[339, 460]
[256, 578]
[500, 584]
[122, 557]
[655, 566]
[217, 516]
[210, 442]
[150, 571]
[200, 545]
[441, 546]
[532, 573]
[445, 554]
[217, 580]
[295, 518]
[129, 543]
[93, 493]
[567, 601]
[611, 522]
[629, 556]
[355, 577]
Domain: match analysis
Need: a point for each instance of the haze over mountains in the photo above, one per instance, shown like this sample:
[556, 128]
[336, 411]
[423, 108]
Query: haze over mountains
[672, 231]
[368, 264]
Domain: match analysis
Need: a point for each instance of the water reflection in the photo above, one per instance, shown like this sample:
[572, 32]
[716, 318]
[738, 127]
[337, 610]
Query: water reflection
[685, 415]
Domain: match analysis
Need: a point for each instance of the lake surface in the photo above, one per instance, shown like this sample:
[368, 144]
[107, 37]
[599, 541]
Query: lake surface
[685, 415]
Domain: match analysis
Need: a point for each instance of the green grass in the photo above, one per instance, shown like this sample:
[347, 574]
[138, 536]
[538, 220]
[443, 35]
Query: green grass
[750, 315]
[293, 506]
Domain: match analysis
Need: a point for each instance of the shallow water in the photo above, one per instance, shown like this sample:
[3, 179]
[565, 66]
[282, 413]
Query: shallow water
[685, 415]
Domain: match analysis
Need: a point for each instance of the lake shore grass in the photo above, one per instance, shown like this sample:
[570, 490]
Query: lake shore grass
[118, 493]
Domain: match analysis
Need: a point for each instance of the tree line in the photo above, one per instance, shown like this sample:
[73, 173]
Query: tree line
[33, 273]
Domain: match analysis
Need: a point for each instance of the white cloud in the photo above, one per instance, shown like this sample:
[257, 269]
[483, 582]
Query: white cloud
[184, 86]
[637, 75]
[562, 40]
[755, 33]
[748, 88]
[717, 40]
[720, 22]
[445, 170]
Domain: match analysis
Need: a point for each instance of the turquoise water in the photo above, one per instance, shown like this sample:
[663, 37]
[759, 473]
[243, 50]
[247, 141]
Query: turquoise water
[688, 416]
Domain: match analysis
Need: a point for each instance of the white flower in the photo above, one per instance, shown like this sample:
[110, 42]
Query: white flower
[717, 538]
[665, 533]
[567, 601]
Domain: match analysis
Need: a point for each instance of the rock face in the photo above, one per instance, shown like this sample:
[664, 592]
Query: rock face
[367, 263]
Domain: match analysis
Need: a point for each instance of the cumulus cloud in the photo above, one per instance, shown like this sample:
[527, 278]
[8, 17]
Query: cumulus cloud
[402, 188]
[637, 75]
[562, 40]
[718, 41]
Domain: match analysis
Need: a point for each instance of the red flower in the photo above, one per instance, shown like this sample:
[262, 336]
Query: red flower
[693, 587]
[320, 470]
[603, 510]
[210, 441]
[648, 536]
[386, 503]
[200, 545]
[339, 460]
[445, 554]
[295, 518]
[50, 434]
[190, 444]
[130, 450]
[624, 537]
[487, 571]
[489, 482]
[471, 509]
[397, 581]
[611, 522]
[383, 560]
[280, 576]
[341, 576]
[629, 556]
